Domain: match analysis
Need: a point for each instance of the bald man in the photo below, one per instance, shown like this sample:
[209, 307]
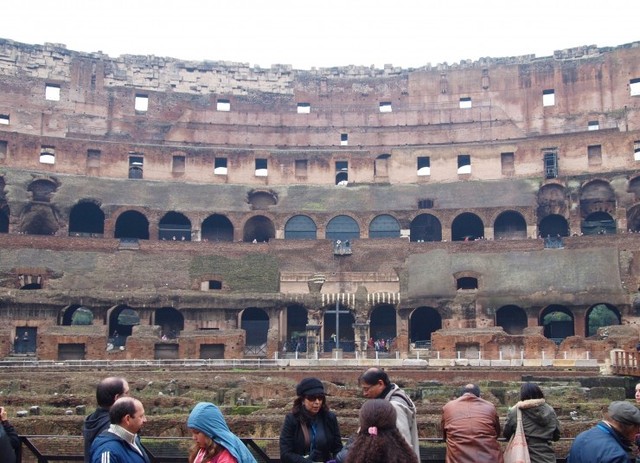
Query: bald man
[107, 392]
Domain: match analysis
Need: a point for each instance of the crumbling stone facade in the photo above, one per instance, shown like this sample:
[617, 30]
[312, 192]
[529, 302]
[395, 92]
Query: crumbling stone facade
[152, 207]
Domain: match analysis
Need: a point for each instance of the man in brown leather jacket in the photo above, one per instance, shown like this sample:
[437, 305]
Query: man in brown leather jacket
[470, 427]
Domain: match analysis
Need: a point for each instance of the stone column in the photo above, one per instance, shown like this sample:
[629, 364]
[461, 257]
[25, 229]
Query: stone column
[313, 335]
[361, 330]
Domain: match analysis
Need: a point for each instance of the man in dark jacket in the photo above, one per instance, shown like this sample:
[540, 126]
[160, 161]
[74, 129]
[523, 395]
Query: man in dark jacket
[121, 443]
[108, 391]
[609, 441]
[9, 440]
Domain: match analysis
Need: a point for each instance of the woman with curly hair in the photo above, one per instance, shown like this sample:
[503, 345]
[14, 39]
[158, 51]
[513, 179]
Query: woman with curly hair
[213, 441]
[378, 439]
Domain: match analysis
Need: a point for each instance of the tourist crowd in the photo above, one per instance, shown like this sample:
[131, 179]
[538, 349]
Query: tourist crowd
[387, 433]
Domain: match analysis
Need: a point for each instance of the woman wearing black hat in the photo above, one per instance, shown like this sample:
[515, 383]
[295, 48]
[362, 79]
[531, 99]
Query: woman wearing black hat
[310, 433]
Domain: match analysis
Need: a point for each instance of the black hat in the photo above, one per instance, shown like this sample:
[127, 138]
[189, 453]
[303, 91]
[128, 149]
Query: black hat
[624, 412]
[310, 386]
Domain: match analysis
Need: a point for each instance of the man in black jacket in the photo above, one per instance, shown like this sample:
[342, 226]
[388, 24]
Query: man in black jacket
[107, 392]
[9, 440]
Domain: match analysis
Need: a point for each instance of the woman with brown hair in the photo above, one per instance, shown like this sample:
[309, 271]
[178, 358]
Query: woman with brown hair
[378, 439]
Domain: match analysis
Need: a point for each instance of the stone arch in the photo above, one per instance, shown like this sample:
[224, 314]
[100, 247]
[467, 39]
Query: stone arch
[384, 226]
[383, 322]
[174, 226]
[42, 189]
[132, 224]
[346, 333]
[634, 187]
[75, 314]
[600, 315]
[467, 227]
[296, 328]
[558, 322]
[423, 322]
[552, 199]
[262, 199]
[553, 225]
[597, 196]
[510, 225]
[512, 319]
[258, 229]
[425, 227]
[342, 227]
[255, 322]
[217, 227]
[86, 219]
[121, 319]
[170, 321]
[300, 227]
[633, 218]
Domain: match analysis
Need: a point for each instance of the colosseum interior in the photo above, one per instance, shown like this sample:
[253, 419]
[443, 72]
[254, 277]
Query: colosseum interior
[165, 209]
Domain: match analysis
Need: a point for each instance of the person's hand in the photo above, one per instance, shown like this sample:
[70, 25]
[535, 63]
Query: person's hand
[3, 414]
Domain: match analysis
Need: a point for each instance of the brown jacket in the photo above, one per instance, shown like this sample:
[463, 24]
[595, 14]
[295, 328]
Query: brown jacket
[470, 426]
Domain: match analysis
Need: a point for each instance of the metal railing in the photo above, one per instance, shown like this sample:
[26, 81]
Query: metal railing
[50, 448]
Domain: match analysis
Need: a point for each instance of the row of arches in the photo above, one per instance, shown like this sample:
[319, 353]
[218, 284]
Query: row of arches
[87, 219]
[557, 320]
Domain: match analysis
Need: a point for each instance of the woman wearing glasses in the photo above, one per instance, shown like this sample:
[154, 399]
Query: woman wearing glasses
[310, 432]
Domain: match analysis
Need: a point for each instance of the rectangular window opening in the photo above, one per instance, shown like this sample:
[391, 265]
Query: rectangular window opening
[634, 87]
[465, 102]
[464, 164]
[385, 107]
[593, 125]
[507, 162]
[594, 155]
[136, 164]
[223, 105]
[47, 155]
[424, 165]
[425, 203]
[93, 158]
[342, 172]
[141, 103]
[344, 139]
[304, 108]
[548, 97]
[550, 163]
[220, 166]
[52, 92]
[301, 168]
[261, 168]
[636, 150]
[3, 149]
[4, 119]
[178, 165]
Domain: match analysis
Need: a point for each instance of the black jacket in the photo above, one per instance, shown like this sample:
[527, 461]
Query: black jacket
[292, 442]
[93, 425]
[9, 443]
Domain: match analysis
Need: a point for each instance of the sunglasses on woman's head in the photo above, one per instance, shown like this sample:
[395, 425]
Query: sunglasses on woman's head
[313, 398]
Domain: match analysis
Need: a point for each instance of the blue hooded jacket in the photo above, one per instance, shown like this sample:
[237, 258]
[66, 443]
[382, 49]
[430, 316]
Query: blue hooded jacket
[208, 419]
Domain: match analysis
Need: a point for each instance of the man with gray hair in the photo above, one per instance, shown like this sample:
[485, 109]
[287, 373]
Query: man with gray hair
[107, 392]
[470, 427]
[609, 441]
